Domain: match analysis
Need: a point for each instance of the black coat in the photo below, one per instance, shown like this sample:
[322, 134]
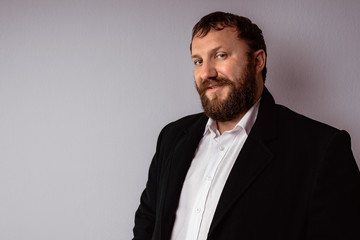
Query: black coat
[294, 179]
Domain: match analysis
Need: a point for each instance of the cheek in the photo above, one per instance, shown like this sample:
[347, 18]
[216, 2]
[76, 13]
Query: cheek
[226, 71]
[231, 70]
[197, 78]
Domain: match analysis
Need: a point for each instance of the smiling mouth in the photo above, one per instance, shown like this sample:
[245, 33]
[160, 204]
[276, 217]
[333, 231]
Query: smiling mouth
[214, 87]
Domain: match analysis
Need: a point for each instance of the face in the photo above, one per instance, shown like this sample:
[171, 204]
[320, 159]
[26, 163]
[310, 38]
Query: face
[224, 74]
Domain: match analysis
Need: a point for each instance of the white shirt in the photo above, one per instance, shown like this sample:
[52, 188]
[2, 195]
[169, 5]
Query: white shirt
[206, 177]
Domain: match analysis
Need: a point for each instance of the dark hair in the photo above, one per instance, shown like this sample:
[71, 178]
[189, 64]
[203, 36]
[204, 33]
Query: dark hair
[247, 30]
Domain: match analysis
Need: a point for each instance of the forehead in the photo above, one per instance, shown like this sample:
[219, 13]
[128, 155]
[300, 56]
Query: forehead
[225, 38]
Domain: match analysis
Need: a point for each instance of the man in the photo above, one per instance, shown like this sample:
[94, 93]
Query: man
[246, 168]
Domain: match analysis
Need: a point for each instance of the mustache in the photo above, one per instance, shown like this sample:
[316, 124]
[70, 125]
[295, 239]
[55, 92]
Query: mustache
[219, 81]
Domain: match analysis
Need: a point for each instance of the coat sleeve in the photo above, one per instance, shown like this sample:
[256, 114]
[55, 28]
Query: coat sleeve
[334, 211]
[145, 216]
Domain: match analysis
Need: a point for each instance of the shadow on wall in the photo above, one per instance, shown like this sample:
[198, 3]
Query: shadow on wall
[293, 76]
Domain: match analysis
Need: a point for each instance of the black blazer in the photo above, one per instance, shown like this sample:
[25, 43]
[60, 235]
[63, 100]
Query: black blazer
[294, 178]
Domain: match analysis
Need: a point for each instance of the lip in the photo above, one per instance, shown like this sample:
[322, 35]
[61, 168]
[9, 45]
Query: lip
[214, 88]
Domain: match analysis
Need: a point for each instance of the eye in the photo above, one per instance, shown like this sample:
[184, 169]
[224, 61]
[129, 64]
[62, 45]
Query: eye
[221, 55]
[198, 61]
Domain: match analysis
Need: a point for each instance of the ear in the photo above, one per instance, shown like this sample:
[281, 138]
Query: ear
[260, 60]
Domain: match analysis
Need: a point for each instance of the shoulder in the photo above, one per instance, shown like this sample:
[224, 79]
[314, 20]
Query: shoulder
[288, 124]
[174, 132]
[190, 123]
[186, 123]
[302, 126]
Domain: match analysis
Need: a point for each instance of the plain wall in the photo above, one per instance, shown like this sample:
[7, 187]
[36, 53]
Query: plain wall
[86, 86]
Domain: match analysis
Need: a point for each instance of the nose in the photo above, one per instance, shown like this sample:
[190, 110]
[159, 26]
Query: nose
[208, 71]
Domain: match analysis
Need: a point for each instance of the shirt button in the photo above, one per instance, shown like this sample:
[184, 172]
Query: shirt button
[208, 178]
[198, 210]
[221, 148]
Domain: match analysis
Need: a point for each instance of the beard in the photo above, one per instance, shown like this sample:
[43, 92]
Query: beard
[240, 98]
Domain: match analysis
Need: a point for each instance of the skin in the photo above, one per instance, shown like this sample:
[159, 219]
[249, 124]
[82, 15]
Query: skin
[223, 54]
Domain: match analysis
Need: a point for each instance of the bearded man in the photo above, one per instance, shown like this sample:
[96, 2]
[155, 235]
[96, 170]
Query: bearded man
[246, 168]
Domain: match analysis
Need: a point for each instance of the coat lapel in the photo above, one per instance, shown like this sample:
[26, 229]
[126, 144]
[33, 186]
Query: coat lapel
[181, 158]
[252, 160]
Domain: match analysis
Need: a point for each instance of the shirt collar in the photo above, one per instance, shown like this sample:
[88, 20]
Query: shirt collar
[246, 122]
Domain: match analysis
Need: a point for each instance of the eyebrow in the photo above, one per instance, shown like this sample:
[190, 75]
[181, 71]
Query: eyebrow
[211, 51]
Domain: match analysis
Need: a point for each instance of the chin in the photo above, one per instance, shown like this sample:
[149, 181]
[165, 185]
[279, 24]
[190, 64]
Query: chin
[216, 96]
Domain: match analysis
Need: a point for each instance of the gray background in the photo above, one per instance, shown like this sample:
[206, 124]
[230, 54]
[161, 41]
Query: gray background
[86, 86]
